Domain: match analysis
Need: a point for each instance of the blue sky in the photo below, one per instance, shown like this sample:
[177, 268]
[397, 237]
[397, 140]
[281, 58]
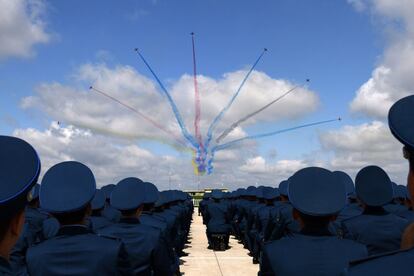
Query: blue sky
[326, 41]
[329, 42]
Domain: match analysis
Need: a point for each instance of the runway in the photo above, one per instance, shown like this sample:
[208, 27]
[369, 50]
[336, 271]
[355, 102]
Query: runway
[204, 262]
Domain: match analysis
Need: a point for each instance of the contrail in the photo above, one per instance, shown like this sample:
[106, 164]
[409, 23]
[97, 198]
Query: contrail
[196, 99]
[224, 110]
[154, 123]
[174, 108]
[245, 118]
[258, 136]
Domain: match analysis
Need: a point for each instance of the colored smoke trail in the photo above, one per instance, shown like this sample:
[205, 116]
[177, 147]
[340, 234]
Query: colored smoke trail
[258, 136]
[199, 154]
[174, 108]
[245, 118]
[196, 99]
[154, 123]
[224, 110]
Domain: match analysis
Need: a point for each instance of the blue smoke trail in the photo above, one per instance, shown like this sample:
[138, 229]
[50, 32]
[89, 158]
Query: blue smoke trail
[258, 136]
[175, 110]
[247, 117]
[224, 110]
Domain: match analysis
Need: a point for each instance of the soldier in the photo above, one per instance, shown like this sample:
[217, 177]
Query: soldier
[352, 208]
[66, 192]
[400, 121]
[148, 253]
[316, 196]
[379, 230]
[282, 219]
[97, 220]
[19, 170]
[148, 217]
[216, 217]
[110, 212]
[263, 219]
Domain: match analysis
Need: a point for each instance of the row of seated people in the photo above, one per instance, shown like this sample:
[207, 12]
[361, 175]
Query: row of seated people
[318, 223]
[72, 228]
[288, 236]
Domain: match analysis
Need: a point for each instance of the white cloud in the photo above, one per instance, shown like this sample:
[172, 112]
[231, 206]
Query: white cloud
[76, 105]
[22, 25]
[354, 147]
[392, 78]
[273, 172]
[112, 159]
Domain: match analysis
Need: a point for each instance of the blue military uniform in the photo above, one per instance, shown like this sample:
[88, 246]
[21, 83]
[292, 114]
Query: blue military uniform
[151, 219]
[398, 262]
[216, 213]
[19, 170]
[110, 212]
[352, 208]
[400, 122]
[147, 251]
[263, 220]
[97, 220]
[66, 188]
[282, 219]
[379, 230]
[313, 192]
[32, 232]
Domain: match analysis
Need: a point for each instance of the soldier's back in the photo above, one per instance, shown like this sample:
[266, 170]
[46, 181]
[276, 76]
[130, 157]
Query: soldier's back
[75, 250]
[310, 255]
[380, 233]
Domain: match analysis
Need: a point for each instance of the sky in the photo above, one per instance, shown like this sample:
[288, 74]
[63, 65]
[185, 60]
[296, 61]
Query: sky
[358, 55]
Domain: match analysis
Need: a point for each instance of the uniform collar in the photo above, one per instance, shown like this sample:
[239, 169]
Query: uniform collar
[313, 231]
[129, 220]
[71, 230]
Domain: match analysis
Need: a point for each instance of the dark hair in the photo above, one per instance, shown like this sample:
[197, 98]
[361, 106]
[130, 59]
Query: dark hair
[411, 158]
[75, 217]
[315, 221]
[148, 206]
[10, 211]
[128, 212]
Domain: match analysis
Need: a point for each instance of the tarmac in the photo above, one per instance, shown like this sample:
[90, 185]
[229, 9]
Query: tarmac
[205, 262]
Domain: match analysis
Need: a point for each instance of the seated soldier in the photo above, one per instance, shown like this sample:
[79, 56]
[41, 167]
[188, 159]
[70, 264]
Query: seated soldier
[316, 196]
[110, 212]
[400, 262]
[379, 230]
[66, 192]
[150, 218]
[97, 220]
[283, 222]
[216, 217]
[19, 170]
[147, 251]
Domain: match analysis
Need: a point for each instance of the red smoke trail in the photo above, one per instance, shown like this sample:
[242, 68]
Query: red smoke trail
[154, 123]
[197, 100]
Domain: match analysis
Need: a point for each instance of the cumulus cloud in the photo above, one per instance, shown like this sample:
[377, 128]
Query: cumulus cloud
[392, 78]
[112, 159]
[22, 25]
[75, 104]
[355, 147]
[282, 168]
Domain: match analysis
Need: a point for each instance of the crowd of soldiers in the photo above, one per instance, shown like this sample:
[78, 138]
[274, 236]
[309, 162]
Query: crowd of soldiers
[317, 222]
[69, 227]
